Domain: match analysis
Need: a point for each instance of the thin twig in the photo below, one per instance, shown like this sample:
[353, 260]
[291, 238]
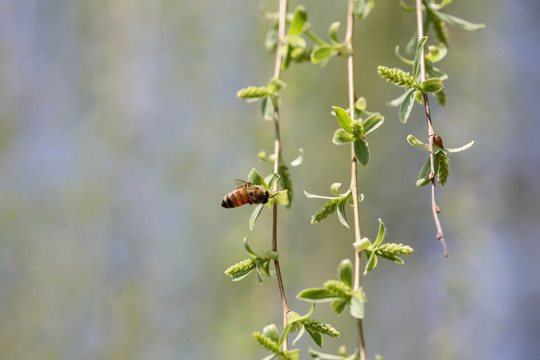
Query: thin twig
[277, 154]
[354, 181]
[431, 133]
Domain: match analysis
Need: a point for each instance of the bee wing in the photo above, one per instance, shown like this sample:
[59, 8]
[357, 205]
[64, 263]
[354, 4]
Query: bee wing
[241, 183]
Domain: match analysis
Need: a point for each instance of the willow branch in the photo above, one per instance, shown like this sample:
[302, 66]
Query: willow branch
[354, 163]
[431, 133]
[277, 155]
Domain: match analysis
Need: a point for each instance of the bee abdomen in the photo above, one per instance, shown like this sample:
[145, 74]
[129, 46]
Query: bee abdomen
[235, 199]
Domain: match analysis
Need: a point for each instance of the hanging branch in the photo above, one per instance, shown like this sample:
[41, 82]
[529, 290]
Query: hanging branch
[277, 155]
[431, 132]
[354, 182]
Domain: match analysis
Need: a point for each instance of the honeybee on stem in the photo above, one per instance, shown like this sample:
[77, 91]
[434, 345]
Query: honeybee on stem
[245, 193]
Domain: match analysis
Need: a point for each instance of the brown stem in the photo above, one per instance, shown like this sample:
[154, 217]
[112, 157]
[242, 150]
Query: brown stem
[431, 133]
[354, 163]
[277, 154]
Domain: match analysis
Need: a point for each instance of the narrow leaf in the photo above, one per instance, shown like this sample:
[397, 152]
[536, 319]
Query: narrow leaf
[335, 189]
[322, 356]
[267, 108]
[255, 216]
[341, 136]
[339, 304]
[464, 147]
[411, 139]
[317, 295]
[453, 20]
[299, 159]
[362, 8]
[399, 100]
[299, 20]
[316, 336]
[249, 250]
[346, 272]
[423, 175]
[332, 33]
[372, 123]
[417, 56]
[361, 151]
[341, 213]
[343, 118]
[371, 263]
[380, 235]
[323, 53]
[406, 106]
[402, 58]
[312, 196]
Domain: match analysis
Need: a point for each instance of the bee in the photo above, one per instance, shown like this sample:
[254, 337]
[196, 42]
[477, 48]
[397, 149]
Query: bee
[245, 193]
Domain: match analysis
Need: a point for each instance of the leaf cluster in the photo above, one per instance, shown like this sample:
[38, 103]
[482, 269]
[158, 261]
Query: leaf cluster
[388, 251]
[355, 131]
[340, 293]
[334, 203]
[441, 164]
[261, 264]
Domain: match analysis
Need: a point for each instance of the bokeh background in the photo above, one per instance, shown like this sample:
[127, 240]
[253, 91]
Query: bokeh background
[120, 132]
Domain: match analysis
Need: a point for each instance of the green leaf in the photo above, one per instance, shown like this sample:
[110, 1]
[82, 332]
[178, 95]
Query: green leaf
[256, 179]
[282, 197]
[397, 101]
[362, 8]
[343, 118]
[271, 332]
[335, 189]
[418, 56]
[312, 196]
[406, 106]
[285, 182]
[293, 354]
[267, 108]
[332, 33]
[361, 151]
[432, 85]
[301, 330]
[372, 123]
[400, 57]
[323, 54]
[299, 159]
[392, 258]
[444, 167]
[423, 175]
[441, 5]
[436, 53]
[255, 216]
[371, 263]
[341, 213]
[346, 272]
[264, 267]
[322, 356]
[341, 136]
[316, 336]
[380, 235]
[317, 295]
[339, 304]
[406, 7]
[299, 20]
[453, 20]
[362, 244]
[272, 180]
[249, 250]
[464, 147]
[411, 139]
[356, 306]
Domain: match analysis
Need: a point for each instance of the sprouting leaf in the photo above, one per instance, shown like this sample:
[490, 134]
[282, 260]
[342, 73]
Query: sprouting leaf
[406, 106]
[406, 7]
[316, 336]
[339, 304]
[441, 5]
[322, 356]
[271, 332]
[440, 29]
[299, 20]
[317, 295]
[256, 179]
[272, 180]
[411, 139]
[464, 147]
[423, 175]
[282, 198]
[403, 59]
[436, 53]
[341, 136]
[267, 108]
[371, 263]
[346, 272]
[362, 8]
[343, 118]
[372, 123]
[313, 196]
[356, 305]
[334, 189]
[399, 100]
[299, 159]
[380, 235]
[453, 20]
[432, 85]
[441, 97]
[361, 151]
[323, 53]
[332, 32]
[418, 56]
[249, 250]
[255, 216]
[341, 214]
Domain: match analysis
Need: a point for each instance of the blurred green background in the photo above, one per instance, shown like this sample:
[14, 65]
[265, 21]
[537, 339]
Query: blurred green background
[120, 132]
